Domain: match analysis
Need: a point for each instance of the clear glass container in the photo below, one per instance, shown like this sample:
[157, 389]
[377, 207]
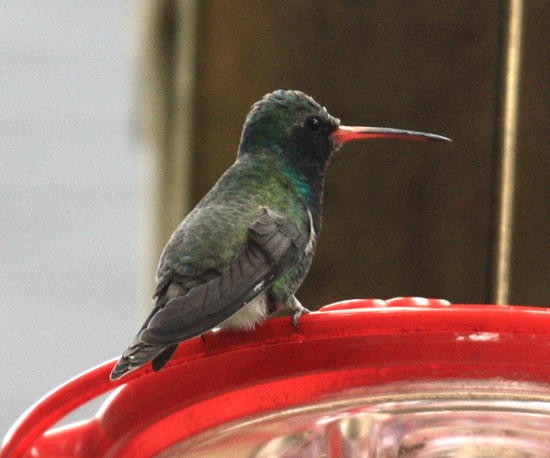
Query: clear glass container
[443, 419]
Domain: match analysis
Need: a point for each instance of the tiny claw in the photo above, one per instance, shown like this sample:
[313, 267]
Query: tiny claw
[296, 317]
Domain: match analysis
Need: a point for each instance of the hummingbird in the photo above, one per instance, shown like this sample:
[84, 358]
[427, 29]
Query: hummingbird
[240, 255]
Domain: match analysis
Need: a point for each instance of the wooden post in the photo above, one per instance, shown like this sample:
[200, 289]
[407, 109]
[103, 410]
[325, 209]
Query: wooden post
[166, 80]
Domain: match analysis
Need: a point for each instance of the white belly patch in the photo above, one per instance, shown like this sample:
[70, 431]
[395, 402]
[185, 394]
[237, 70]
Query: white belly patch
[249, 316]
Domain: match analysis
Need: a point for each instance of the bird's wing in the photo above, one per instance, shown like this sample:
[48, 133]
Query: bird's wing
[274, 244]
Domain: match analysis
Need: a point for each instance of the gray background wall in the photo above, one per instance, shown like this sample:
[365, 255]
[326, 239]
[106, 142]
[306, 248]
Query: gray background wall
[69, 193]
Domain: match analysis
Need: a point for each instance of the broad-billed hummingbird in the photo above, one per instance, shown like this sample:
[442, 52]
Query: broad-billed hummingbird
[244, 250]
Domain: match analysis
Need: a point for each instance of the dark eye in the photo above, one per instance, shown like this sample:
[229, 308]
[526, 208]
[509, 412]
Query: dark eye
[313, 124]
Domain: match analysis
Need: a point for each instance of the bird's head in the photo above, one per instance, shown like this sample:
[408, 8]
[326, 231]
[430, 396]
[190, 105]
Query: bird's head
[292, 124]
[288, 120]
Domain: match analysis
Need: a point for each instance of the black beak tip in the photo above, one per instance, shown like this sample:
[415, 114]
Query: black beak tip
[439, 138]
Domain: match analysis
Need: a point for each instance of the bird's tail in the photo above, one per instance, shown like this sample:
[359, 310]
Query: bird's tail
[139, 354]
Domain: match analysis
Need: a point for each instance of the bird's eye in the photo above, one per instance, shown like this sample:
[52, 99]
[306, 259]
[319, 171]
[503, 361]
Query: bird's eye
[313, 124]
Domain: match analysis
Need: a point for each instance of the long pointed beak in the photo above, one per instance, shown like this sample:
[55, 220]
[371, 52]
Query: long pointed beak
[347, 133]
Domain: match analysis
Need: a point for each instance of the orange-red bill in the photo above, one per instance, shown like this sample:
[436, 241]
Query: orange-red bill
[347, 133]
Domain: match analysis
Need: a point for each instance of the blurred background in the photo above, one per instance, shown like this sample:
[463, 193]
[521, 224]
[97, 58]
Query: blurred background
[116, 117]
[70, 186]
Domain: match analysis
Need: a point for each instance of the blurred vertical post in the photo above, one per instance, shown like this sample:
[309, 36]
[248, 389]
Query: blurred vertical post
[166, 84]
[504, 157]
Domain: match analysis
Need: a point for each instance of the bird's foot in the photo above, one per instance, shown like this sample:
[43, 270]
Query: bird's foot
[297, 314]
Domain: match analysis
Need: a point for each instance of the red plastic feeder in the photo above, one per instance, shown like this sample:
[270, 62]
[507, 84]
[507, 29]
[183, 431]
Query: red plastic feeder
[408, 377]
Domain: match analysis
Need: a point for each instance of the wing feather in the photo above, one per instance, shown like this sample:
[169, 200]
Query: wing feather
[274, 245]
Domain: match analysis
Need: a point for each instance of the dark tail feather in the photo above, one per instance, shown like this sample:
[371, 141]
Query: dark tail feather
[122, 368]
[138, 355]
[162, 358]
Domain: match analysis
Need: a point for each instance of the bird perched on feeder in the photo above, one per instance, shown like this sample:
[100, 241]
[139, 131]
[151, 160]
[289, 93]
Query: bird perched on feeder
[243, 251]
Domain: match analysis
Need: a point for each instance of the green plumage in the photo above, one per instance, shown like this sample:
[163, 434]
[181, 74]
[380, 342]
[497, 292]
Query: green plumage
[216, 230]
